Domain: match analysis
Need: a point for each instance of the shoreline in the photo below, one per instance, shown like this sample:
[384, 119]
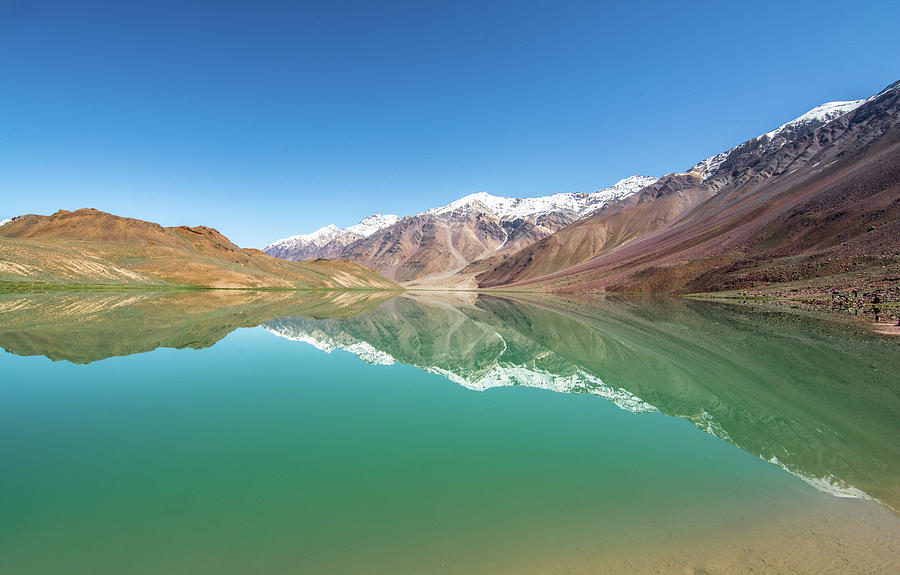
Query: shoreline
[879, 311]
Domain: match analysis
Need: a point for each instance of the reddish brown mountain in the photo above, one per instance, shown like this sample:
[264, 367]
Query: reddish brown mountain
[822, 208]
[651, 208]
[446, 246]
[93, 247]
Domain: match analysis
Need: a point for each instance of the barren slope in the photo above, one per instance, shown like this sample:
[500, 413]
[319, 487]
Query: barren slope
[432, 245]
[822, 209]
[92, 247]
[617, 224]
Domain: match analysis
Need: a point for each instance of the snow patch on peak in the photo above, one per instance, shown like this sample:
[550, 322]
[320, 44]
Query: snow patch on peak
[323, 236]
[621, 189]
[318, 238]
[635, 183]
[816, 117]
[5, 221]
[578, 204]
[574, 205]
[371, 224]
[484, 199]
[323, 232]
[820, 114]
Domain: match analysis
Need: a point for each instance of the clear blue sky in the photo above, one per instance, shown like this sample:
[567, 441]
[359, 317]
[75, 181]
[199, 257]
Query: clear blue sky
[270, 119]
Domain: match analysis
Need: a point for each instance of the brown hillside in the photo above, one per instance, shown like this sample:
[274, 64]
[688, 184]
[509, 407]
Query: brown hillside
[92, 247]
[437, 246]
[617, 224]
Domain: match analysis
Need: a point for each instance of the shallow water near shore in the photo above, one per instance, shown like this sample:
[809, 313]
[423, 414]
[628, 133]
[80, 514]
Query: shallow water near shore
[366, 433]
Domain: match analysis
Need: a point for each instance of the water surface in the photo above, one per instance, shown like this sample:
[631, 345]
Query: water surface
[230, 432]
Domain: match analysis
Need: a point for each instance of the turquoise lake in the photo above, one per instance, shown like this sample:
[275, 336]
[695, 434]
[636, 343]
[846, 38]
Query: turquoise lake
[205, 432]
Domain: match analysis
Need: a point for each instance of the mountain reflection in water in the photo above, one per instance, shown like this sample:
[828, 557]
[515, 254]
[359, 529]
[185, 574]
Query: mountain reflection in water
[815, 396]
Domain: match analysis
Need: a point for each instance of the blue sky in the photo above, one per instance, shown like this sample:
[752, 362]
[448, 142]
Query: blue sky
[269, 119]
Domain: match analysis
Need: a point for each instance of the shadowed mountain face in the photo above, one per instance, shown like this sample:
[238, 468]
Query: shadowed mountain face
[92, 247]
[816, 397]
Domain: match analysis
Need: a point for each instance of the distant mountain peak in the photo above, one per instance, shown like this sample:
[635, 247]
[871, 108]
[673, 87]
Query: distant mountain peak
[319, 238]
[371, 224]
[322, 232]
[448, 238]
[632, 181]
[577, 203]
[483, 199]
[297, 247]
[4, 222]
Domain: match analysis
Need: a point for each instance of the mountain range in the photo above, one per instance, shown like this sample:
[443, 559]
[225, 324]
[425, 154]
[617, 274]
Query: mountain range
[438, 246]
[328, 242]
[813, 202]
[812, 206]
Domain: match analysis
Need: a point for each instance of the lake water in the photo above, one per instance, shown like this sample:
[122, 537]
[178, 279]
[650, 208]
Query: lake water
[233, 432]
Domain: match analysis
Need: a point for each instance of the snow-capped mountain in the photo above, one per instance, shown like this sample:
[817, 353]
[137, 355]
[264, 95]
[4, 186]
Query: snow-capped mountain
[808, 122]
[327, 241]
[444, 246]
[371, 224]
[819, 115]
[753, 194]
[4, 222]
[318, 238]
[438, 243]
[486, 240]
[530, 209]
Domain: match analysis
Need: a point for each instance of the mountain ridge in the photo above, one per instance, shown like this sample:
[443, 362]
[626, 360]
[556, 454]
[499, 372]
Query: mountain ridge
[328, 240]
[435, 245]
[755, 182]
[486, 241]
